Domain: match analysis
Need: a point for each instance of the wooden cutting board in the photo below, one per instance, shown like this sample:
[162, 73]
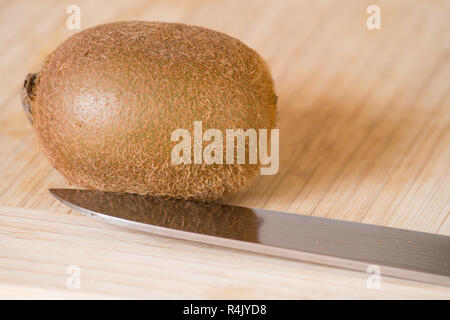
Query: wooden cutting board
[364, 136]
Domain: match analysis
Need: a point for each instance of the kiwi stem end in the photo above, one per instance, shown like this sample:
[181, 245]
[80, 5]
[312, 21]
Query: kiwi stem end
[28, 94]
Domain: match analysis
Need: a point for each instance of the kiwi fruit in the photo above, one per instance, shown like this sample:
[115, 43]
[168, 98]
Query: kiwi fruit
[105, 102]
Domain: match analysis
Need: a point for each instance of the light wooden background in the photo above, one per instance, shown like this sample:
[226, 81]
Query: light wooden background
[364, 129]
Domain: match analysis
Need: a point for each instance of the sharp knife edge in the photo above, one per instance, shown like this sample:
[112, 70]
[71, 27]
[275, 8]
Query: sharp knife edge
[397, 253]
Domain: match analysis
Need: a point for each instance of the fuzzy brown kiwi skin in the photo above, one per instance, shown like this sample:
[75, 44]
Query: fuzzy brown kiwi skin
[100, 111]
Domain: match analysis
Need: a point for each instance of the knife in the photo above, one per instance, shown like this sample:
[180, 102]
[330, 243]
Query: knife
[394, 252]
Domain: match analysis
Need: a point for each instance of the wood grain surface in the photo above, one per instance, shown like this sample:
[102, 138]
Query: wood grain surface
[364, 130]
[38, 248]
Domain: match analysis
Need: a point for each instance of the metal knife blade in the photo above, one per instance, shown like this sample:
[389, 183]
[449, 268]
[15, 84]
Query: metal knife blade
[397, 253]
